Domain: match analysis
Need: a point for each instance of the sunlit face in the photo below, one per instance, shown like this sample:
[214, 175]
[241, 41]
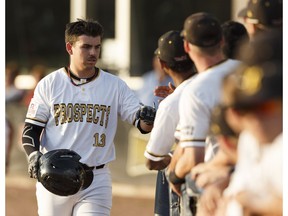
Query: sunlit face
[85, 52]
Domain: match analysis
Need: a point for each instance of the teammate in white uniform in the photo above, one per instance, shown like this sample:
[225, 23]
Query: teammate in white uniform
[177, 64]
[202, 41]
[77, 108]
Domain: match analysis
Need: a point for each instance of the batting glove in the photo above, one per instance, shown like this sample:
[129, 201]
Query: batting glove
[147, 114]
[33, 164]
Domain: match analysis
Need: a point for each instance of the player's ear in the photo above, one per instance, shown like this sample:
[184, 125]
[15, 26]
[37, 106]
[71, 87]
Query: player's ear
[186, 46]
[162, 64]
[69, 48]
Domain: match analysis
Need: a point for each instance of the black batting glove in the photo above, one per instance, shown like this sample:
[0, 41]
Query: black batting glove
[33, 164]
[146, 114]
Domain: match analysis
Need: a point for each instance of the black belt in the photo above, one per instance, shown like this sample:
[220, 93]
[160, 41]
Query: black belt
[100, 166]
[96, 167]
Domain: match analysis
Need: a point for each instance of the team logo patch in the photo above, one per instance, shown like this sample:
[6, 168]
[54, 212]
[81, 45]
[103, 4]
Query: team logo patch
[32, 110]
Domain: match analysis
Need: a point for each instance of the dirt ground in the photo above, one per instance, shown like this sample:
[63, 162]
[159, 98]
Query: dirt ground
[21, 201]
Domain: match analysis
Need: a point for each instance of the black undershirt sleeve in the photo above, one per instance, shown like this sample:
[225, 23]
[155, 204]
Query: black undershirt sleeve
[31, 138]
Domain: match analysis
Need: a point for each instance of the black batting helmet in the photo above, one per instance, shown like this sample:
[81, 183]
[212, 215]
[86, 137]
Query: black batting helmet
[61, 173]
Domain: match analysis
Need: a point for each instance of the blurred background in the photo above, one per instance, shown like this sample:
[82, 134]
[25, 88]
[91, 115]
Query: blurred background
[35, 28]
[34, 47]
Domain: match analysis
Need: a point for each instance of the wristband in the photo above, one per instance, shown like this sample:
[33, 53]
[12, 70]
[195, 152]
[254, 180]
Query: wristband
[175, 179]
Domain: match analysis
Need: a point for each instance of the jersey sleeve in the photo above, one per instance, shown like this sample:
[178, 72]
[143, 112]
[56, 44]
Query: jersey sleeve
[194, 120]
[162, 135]
[38, 110]
[128, 103]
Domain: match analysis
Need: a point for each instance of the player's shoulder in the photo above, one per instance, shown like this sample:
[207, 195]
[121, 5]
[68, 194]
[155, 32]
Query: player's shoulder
[215, 73]
[112, 80]
[221, 69]
[172, 100]
[107, 75]
[54, 75]
[230, 64]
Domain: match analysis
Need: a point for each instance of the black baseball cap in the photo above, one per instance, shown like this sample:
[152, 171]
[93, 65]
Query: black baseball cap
[265, 12]
[170, 48]
[202, 29]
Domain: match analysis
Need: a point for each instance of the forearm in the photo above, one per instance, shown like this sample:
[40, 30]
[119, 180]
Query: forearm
[158, 165]
[175, 157]
[31, 138]
[190, 158]
[221, 159]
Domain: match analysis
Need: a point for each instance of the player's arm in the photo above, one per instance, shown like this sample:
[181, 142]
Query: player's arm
[158, 165]
[164, 91]
[183, 160]
[220, 160]
[191, 157]
[174, 181]
[31, 144]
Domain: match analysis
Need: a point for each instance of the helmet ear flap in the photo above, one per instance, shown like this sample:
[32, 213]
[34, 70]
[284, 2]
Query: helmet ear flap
[61, 173]
[88, 177]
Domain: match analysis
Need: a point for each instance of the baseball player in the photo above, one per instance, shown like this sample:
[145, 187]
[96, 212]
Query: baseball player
[76, 108]
[202, 41]
[262, 16]
[177, 64]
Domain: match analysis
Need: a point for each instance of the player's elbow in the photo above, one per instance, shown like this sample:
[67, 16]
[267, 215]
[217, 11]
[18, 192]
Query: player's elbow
[150, 164]
[155, 165]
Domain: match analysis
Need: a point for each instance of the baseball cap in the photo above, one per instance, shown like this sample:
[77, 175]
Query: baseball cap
[170, 48]
[252, 86]
[202, 29]
[265, 12]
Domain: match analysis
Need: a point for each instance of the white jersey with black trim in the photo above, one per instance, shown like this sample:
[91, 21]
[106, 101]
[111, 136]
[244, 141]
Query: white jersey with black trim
[167, 117]
[197, 101]
[82, 118]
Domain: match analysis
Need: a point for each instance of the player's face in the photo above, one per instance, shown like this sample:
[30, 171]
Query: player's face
[85, 52]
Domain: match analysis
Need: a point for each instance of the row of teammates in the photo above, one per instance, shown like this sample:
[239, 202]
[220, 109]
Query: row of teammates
[225, 113]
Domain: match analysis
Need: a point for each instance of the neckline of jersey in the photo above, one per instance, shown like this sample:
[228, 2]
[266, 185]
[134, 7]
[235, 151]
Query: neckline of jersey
[218, 63]
[73, 77]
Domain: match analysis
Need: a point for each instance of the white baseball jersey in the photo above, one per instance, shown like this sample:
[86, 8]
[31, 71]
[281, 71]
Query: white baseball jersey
[82, 118]
[258, 169]
[167, 116]
[198, 99]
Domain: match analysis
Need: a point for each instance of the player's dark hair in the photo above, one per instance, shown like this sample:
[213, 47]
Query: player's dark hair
[235, 34]
[182, 66]
[82, 27]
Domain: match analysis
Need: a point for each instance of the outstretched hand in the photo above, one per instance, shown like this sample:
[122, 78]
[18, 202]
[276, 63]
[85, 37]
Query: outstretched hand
[164, 91]
[147, 114]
